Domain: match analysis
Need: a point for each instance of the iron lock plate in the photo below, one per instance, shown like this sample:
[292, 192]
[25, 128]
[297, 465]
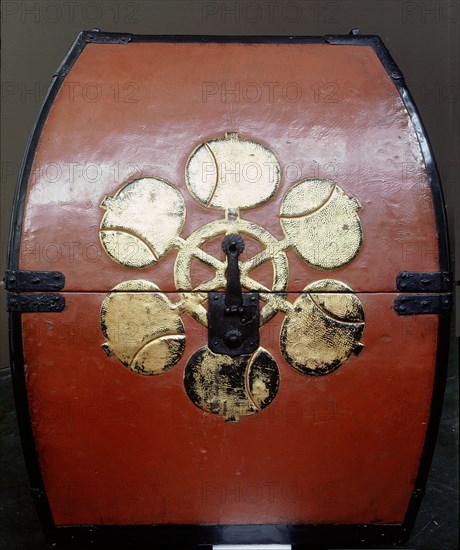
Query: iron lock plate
[233, 315]
[233, 330]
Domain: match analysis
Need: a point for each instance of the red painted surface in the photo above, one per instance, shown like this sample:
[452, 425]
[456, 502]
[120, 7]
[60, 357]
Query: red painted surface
[119, 448]
[349, 124]
[116, 447]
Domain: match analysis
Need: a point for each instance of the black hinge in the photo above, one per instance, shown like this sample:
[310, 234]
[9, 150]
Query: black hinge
[420, 304]
[34, 280]
[33, 302]
[419, 281]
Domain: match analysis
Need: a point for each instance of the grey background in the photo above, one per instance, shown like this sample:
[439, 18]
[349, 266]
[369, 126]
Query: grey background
[423, 37]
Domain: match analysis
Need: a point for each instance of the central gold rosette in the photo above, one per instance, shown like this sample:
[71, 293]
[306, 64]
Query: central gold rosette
[142, 223]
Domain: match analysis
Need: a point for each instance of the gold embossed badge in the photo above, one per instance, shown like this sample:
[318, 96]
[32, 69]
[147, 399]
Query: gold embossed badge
[143, 222]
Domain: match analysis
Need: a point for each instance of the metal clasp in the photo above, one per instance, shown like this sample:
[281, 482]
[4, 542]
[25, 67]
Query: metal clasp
[233, 316]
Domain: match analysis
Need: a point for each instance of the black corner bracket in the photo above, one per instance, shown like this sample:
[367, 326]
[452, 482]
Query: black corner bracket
[85, 37]
[95, 35]
[355, 38]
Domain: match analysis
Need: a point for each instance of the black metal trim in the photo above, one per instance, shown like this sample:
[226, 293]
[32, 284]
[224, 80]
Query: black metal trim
[427, 152]
[233, 330]
[186, 535]
[375, 42]
[34, 280]
[422, 304]
[176, 536]
[420, 281]
[439, 383]
[226, 39]
[29, 450]
[433, 174]
[442, 350]
[34, 302]
[444, 265]
[85, 37]
[98, 37]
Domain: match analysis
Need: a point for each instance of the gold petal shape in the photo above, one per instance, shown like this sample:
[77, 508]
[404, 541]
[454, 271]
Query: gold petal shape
[159, 355]
[231, 386]
[141, 328]
[232, 173]
[331, 296]
[141, 222]
[126, 249]
[322, 223]
[323, 329]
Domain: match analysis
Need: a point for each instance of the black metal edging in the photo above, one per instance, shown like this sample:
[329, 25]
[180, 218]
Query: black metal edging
[439, 383]
[421, 281]
[375, 42]
[226, 39]
[35, 302]
[199, 536]
[29, 449]
[444, 264]
[31, 460]
[422, 304]
[34, 280]
[86, 37]
[185, 535]
[427, 152]
[433, 173]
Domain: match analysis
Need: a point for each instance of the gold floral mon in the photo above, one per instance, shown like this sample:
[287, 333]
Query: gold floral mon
[143, 328]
